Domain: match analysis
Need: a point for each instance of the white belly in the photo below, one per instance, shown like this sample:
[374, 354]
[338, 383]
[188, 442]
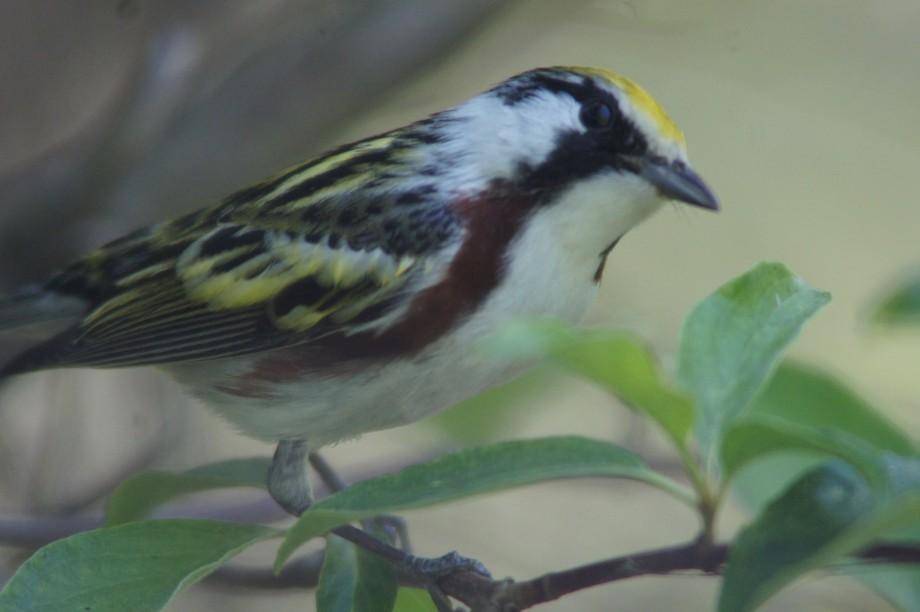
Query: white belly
[550, 275]
[328, 409]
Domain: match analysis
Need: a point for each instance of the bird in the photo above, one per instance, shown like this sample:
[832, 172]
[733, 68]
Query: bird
[348, 293]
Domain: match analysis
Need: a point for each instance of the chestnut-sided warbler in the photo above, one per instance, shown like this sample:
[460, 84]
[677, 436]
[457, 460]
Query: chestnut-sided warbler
[347, 294]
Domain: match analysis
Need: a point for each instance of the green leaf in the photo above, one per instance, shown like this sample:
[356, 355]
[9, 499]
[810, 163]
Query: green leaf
[828, 514]
[757, 436]
[614, 360]
[471, 472]
[137, 496]
[732, 340]
[793, 535]
[139, 566]
[760, 482]
[413, 600]
[816, 401]
[808, 399]
[901, 306]
[353, 580]
[805, 395]
[899, 585]
[489, 415]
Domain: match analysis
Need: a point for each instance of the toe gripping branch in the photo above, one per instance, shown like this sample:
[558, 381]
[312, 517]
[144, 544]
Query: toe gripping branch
[289, 485]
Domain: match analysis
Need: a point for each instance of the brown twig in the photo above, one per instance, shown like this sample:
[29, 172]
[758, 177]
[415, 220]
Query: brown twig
[299, 573]
[484, 595]
[477, 592]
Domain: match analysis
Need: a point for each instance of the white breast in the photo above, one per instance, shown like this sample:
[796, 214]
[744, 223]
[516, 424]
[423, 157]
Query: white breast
[550, 269]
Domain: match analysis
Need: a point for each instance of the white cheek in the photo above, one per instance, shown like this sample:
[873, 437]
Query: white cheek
[535, 124]
[490, 139]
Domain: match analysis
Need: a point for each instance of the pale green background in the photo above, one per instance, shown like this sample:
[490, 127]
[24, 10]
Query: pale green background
[803, 117]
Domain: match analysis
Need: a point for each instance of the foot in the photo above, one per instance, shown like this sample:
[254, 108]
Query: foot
[394, 528]
[427, 572]
[431, 570]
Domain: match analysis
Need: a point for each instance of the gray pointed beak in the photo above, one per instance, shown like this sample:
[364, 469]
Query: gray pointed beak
[677, 181]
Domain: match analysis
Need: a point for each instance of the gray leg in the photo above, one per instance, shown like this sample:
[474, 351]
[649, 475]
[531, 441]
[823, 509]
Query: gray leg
[395, 527]
[289, 485]
[424, 570]
[326, 473]
[288, 480]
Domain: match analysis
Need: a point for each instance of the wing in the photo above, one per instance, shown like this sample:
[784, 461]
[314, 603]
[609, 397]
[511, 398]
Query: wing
[324, 248]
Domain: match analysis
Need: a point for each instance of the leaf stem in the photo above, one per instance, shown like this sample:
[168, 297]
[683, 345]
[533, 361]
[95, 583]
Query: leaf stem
[707, 500]
[685, 494]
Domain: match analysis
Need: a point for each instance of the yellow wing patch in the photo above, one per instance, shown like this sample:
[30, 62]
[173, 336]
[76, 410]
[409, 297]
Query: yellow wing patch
[640, 98]
[259, 272]
[316, 168]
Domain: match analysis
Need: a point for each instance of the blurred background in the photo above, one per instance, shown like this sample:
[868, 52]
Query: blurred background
[114, 114]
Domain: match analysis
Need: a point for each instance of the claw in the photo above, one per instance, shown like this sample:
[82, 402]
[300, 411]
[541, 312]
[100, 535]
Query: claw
[430, 570]
[395, 529]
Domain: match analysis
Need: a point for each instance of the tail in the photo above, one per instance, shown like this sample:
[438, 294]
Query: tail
[38, 313]
[35, 305]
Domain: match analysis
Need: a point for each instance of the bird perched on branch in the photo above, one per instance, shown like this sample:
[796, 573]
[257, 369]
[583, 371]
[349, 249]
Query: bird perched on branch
[347, 294]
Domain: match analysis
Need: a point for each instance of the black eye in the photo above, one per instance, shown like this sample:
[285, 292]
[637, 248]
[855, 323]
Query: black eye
[596, 115]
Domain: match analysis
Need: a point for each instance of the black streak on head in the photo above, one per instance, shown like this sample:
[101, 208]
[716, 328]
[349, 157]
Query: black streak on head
[577, 153]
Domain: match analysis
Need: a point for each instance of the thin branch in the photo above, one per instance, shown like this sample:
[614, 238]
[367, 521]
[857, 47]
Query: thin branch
[299, 573]
[484, 595]
[479, 593]
[687, 557]
[31, 532]
[891, 554]
[474, 590]
[34, 532]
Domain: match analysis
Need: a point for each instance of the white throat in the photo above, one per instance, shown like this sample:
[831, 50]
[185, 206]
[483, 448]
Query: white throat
[586, 219]
[551, 264]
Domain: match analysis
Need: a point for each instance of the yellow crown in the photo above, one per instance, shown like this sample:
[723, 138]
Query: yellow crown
[640, 99]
